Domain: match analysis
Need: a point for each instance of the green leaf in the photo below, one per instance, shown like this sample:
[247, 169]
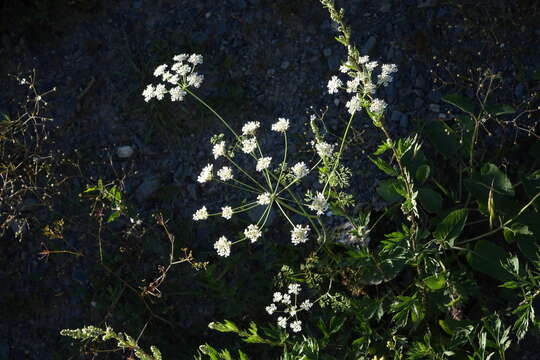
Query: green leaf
[422, 173]
[451, 227]
[385, 146]
[500, 109]
[430, 199]
[387, 190]
[487, 258]
[493, 175]
[384, 166]
[461, 102]
[435, 282]
[115, 215]
[443, 138]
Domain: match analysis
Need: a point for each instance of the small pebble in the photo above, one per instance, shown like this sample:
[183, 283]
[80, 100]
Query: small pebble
[124, 152]
[434, 108]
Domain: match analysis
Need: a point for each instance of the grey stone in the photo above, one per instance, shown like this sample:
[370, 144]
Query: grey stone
[327, 52]
[147, 188]
[285, 65]
[124, 152]
[418, 102]
[404, 121]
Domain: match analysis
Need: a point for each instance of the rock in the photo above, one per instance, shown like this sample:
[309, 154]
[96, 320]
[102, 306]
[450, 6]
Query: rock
[434, 108]
[418, 102]
[124, 152]
[404, 121]
[147, 188]
[327, 52]
[285, 65]
[137, 4]
[369, 45]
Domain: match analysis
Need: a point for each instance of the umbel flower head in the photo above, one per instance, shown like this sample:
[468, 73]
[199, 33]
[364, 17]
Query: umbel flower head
[181, 76]
[289, 303]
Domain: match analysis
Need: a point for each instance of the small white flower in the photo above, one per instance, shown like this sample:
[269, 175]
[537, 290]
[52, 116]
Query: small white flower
[277, 296]
[389, 68]
[299, 234]
[369, 88]
[249, 145]
[223, 246]
[225, 173]
[294, 289]
[281, 125]
[271, 308]
[352, 85]
[306, 305]
[166, 76]
[282, 322]
[363, 59]
[149, 93]
[324, 149]
[354, 104]
[370, 66]
[250, 127]
[296, 326]
[219, 149]
[345, 68]
[160, 70]
[180, 57]
[292, 310]
[160, 91]
[286, 299]
[206, 174]
[201, 214]
[300, 170]
[333, 85]
[173, 79]
[264, 199]
[181, 69]
[177, 94]
[377, 106]
[196, 59]
[263, 163]
[252, 232]
[319, 204]
[195, 80]
[227, 212]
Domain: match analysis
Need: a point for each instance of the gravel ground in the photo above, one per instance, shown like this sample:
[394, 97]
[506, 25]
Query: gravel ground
[263, 59]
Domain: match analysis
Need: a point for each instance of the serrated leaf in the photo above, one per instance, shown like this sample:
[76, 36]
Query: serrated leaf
[422, 173]
[451, 227]
[463, 103]
[384, 166]
[382, 148]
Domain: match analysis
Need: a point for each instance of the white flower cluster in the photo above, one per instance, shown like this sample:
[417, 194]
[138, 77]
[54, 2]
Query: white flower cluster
[361, 85]
[289, 301]
[299, 234]
[319, 204]
[266, 195]
[223, 246]
[179, 77]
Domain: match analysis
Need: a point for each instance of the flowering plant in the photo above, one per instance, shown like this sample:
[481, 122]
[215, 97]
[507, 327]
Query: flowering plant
[404, 285]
